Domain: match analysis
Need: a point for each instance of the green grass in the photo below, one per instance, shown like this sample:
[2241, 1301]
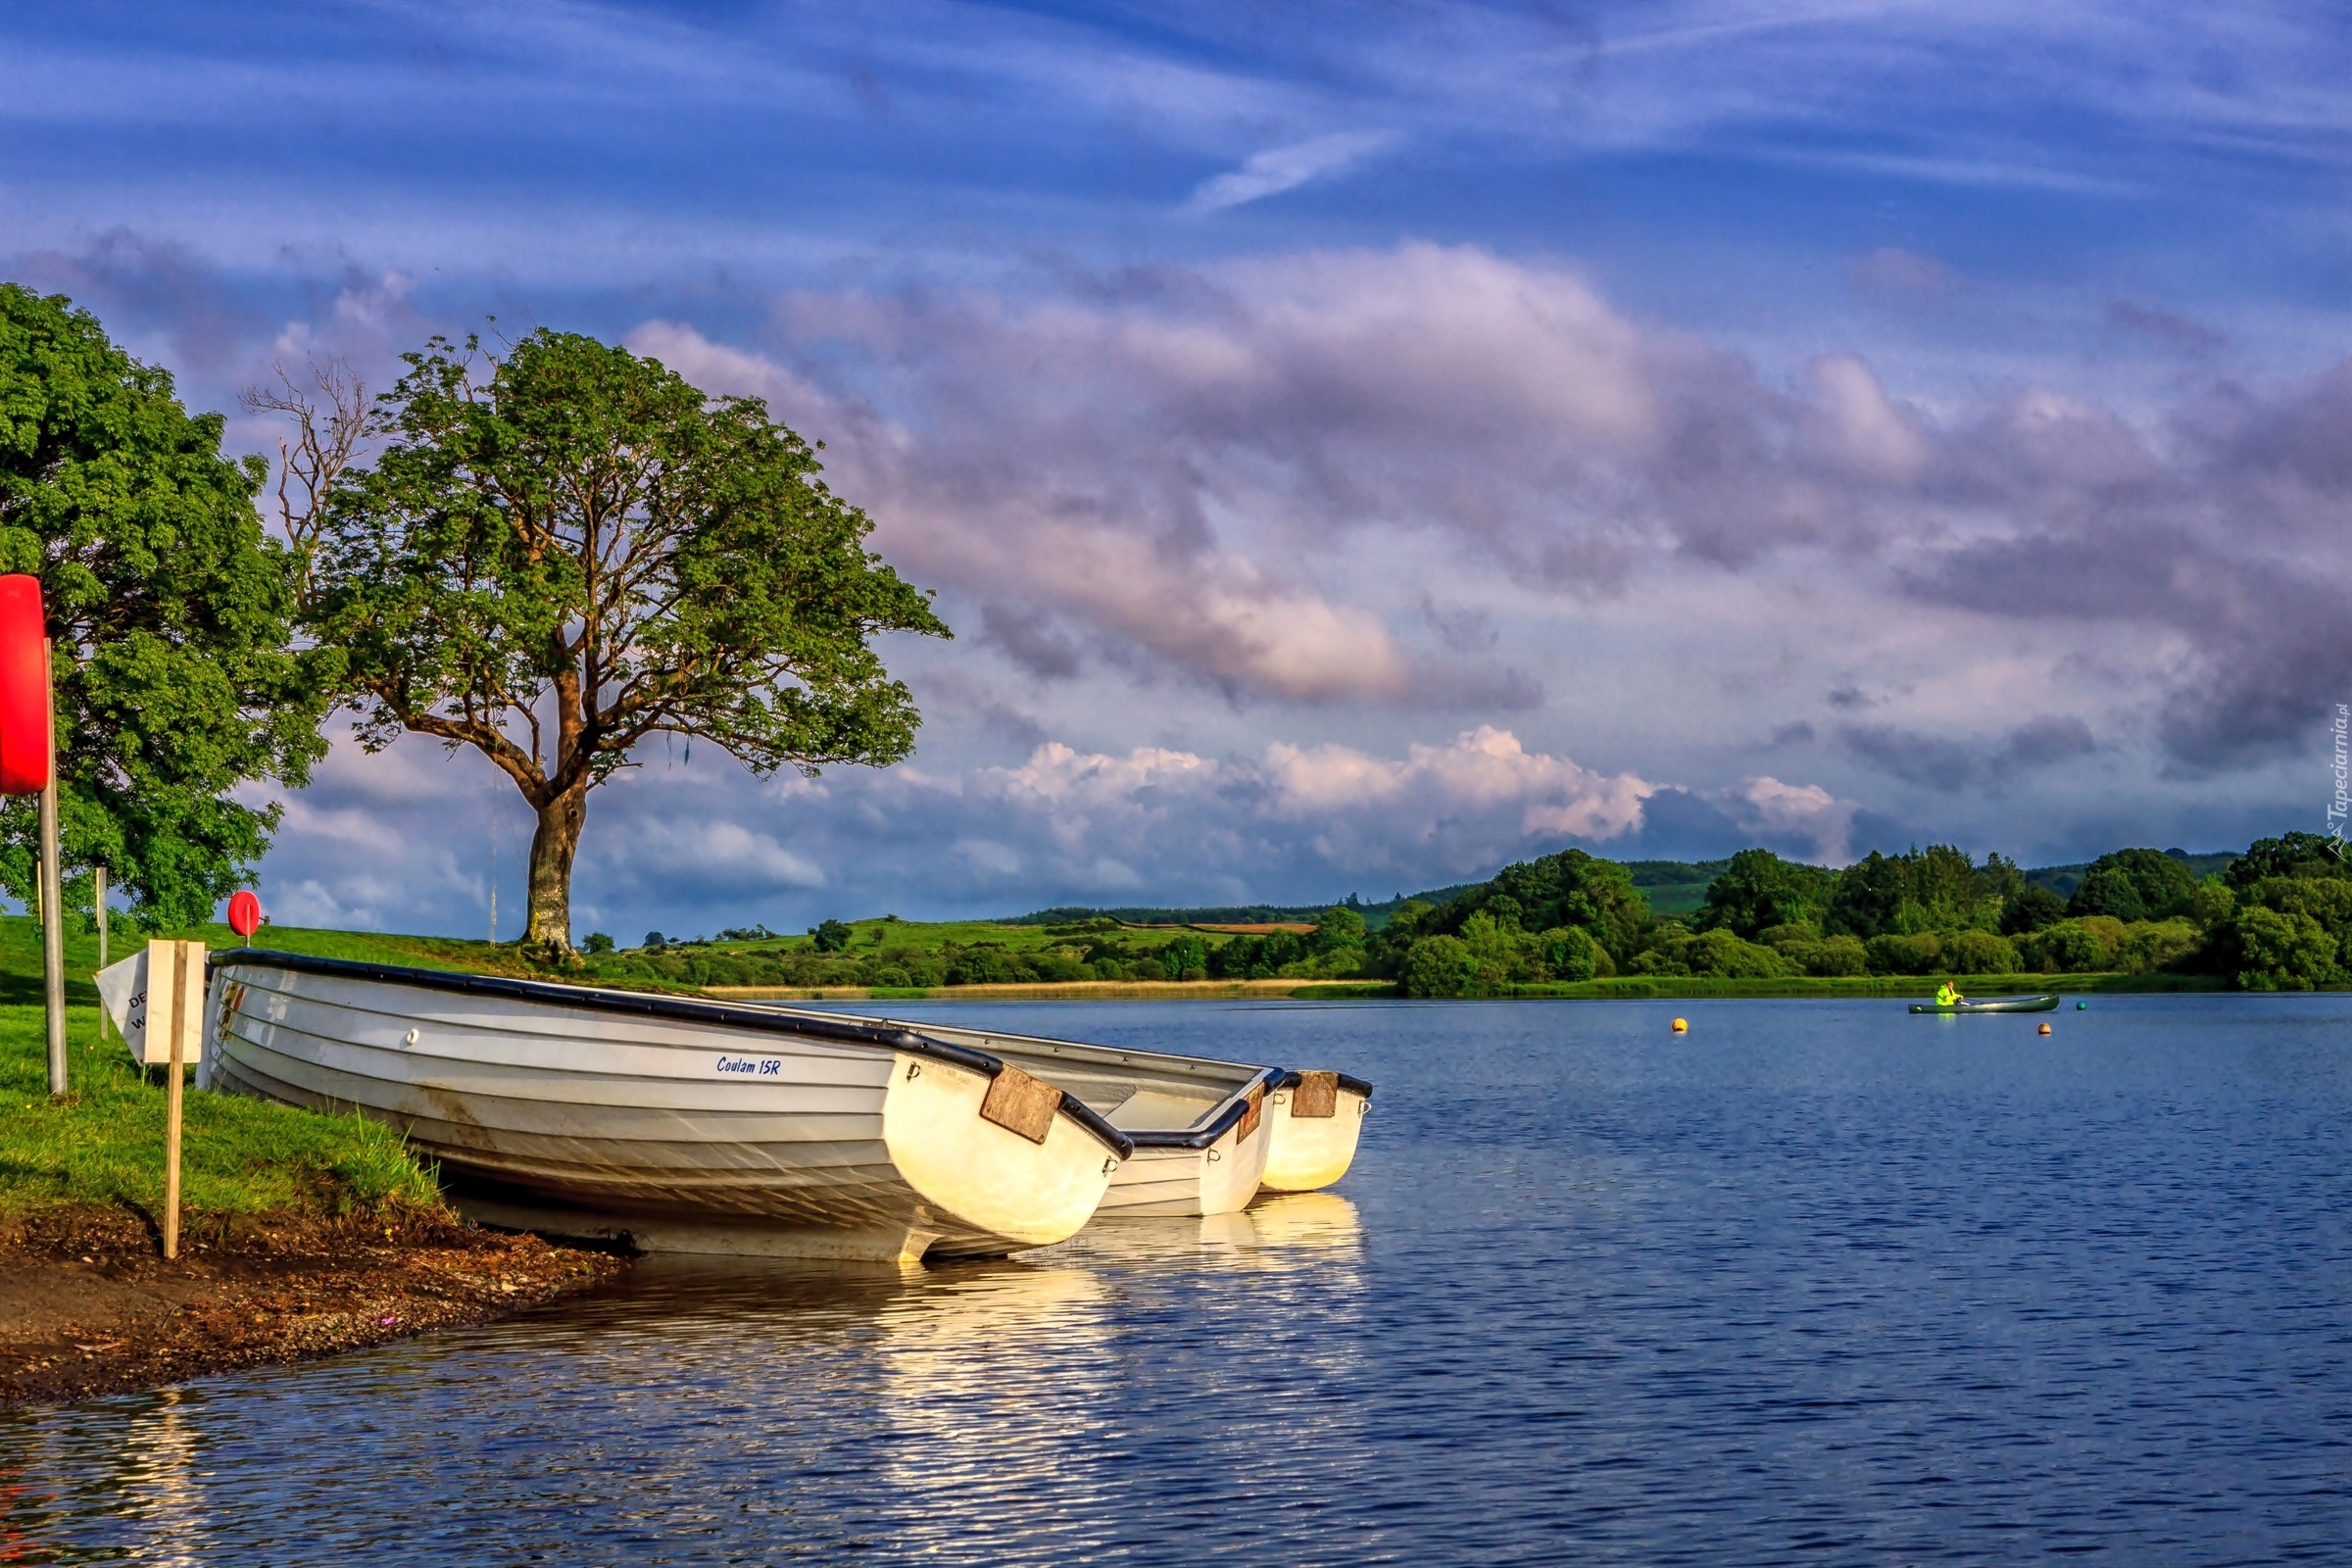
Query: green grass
[104, 1147]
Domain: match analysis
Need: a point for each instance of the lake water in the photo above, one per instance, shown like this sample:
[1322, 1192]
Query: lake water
[1817, 1282]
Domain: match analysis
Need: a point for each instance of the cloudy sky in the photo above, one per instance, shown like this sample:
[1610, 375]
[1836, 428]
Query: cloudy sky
[1355, 445]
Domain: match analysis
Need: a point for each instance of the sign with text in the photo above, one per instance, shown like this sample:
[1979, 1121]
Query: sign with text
[163, 983]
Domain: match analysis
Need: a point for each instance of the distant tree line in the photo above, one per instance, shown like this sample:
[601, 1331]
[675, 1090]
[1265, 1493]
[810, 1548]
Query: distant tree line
[2276, 917]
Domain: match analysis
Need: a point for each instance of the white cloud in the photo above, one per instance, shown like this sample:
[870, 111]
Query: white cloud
[1281, 169]
[1479, 769]
[1770, 808]
[707, 852]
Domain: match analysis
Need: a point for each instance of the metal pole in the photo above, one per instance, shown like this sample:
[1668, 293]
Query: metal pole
[53, 904]
[99, 872]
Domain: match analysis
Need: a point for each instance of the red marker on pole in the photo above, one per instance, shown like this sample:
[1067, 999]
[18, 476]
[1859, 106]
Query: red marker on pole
[244, 914]
[29, 767]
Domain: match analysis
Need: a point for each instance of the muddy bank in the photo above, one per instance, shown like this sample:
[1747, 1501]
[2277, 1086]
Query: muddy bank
[87, 1304]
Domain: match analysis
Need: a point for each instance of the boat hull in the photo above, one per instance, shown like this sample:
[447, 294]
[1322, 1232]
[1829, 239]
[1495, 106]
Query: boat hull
[682, 1133]
[1176, 1183]
[1307, 1152]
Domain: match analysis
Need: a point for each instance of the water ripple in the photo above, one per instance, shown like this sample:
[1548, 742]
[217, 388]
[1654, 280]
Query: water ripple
[1818, 1283]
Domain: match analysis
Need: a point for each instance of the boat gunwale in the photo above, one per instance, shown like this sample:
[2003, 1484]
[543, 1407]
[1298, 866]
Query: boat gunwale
[1203, 1134]
[683, 1010]
[1293, 1078]
[1109, 1055]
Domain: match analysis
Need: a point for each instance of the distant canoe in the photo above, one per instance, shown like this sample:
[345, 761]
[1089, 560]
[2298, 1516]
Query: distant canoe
[1209, 1134]
[1997, 1004]
[685, 1125]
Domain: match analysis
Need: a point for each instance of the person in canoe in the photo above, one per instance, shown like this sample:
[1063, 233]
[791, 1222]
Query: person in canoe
[1947, 997]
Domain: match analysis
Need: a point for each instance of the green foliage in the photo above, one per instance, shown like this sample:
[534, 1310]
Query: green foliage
[575, 537]
[2134, 885]
[1759, 890]
[1339, 927]
[1973, 952]
[1570, 953]
[170, 610]
[1567, 889]
[2292, 855]
[829, 936]
[598, 942]
[1440, 965]
[1936, 889]
[1186, 958]
[1905, 953]
[2279, 951]
[2067, 946]
[2032, 907]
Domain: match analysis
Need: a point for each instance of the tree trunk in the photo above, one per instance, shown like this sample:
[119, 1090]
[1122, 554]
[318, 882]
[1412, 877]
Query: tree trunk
[553, 843]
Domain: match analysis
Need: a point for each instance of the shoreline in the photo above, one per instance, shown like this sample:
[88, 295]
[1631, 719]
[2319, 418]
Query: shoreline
[1618, 988]
[89, 1307]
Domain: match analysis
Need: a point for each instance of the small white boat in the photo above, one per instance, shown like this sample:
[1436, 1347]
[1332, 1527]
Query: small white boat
[1208, 1135]
[682, 1124]
[1315, 1120]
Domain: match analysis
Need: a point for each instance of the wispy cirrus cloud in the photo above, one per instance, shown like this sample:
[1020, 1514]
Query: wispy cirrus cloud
[1283, 169]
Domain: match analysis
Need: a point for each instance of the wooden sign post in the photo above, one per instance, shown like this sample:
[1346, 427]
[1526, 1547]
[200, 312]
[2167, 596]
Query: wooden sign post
[175, 1006]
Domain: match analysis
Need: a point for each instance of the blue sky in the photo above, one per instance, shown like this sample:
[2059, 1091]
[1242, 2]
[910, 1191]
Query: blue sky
[1355, 445]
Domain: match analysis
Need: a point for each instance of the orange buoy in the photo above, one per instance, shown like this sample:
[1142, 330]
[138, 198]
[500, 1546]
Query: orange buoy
[1681, 1026]
[2046, 1028]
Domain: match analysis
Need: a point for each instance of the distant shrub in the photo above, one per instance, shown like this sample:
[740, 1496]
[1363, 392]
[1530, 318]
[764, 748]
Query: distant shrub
[1185, 958]
[1438, 967]
[1977, 953]
[1719, 954]
[2154, 945]
[1569, 953]
[1894, 954]
[597, 942]
[2282, 952]
[830, 936]
[1834, 955]
[982, 966]
[2073, 946]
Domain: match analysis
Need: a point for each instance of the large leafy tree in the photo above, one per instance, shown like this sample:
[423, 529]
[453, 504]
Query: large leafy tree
[168, 607]
[568, 549]
[2134, 885]
[1758, 890]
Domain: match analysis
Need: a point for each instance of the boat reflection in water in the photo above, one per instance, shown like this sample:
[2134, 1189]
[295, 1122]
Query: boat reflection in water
[998, 1383]
[1281, 1233]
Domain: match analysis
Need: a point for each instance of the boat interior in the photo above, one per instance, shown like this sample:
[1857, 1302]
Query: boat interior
[1135, 1090]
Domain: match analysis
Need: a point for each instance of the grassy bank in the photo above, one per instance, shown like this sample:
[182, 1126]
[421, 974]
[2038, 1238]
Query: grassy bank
[104, 1147]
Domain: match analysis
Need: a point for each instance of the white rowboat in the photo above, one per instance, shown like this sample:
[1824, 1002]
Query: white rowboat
[681, 1124]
